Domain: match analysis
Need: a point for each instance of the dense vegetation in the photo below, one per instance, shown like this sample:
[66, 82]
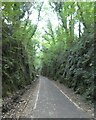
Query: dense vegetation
[64, 53]
[18, 47]
[68, 57]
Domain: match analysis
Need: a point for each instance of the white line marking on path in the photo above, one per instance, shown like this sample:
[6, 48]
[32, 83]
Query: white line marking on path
[37, 97]
[68, 98]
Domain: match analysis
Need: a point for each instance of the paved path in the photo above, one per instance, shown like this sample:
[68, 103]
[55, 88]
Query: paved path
[52, 103]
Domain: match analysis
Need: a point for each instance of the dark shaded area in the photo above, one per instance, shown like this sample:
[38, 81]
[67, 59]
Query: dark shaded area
[15, 65]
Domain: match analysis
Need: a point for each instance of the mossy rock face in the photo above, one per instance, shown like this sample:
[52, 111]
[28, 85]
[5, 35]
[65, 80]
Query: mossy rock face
[16, 73]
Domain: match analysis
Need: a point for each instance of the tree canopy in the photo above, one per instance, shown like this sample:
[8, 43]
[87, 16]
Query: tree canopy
[54, 39]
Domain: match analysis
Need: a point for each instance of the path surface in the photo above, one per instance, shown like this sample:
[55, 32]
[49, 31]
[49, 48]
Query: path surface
[52, 103]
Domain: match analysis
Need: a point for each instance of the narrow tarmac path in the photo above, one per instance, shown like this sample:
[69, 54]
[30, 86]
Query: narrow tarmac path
[53, 103]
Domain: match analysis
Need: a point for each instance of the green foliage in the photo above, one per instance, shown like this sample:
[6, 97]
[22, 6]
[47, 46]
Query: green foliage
[62, 53]
[17, 47]
[70, 58]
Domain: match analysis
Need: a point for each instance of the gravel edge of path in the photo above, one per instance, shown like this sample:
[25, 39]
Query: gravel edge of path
[20, 105]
